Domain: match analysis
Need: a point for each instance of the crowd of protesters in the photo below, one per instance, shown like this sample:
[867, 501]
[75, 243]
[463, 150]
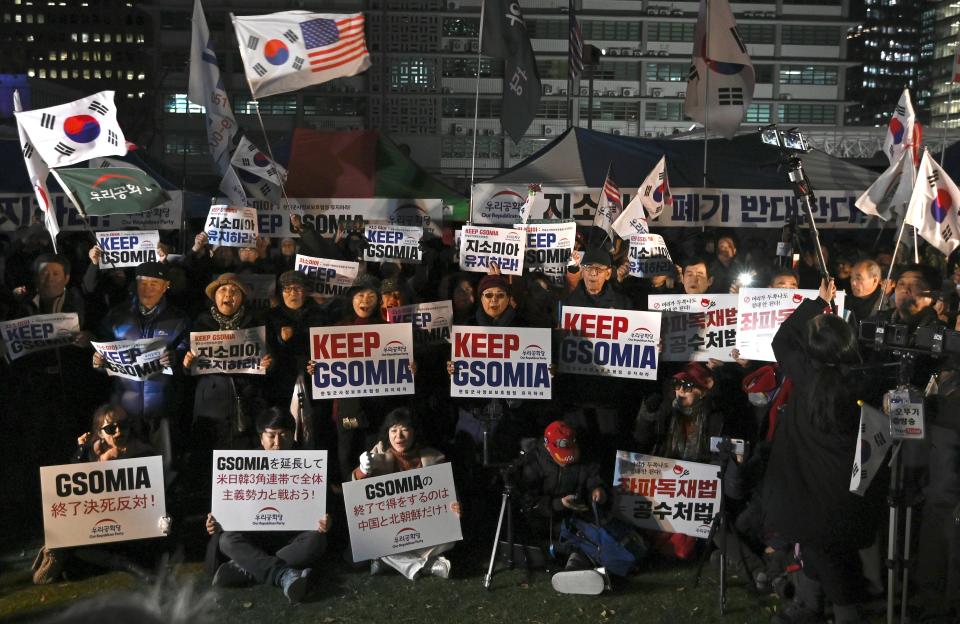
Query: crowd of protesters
[787, 497]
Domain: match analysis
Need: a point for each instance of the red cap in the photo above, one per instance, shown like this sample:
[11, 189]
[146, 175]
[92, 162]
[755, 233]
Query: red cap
[696, 373]
[561, 442]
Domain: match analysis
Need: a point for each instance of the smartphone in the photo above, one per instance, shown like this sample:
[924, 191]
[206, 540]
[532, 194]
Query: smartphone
[739, 446]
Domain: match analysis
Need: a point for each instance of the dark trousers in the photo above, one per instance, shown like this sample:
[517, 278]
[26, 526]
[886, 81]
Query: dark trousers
[266, 554]
[839, 573]
[938, 559]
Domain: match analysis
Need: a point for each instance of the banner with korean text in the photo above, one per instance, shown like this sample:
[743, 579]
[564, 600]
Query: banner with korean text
[392, 243]
[761, 311]
[666, 494]
[482, 246]
[99, 502]
[401, 511]
[38, 333]
[127, 248]
[269, 490]
[17, 209]
[609, 343]
[327, 215]
[507, 362]
[499, 204]
[330, 278]
[431, 321]
[138, 360]
[231, 226]
[361, 360]
[230, 352]
[649, 256]
[548, 248]
[696, 327]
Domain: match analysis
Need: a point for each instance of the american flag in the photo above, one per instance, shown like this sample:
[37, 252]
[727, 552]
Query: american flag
[331, 44]
[609, 207]
[575, 59]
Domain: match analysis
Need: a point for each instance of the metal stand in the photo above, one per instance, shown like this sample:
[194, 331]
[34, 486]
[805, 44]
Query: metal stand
[506, 510]
[719, 524]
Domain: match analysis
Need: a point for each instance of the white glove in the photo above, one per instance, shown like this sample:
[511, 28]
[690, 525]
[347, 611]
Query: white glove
[164, 524]
[366, 462]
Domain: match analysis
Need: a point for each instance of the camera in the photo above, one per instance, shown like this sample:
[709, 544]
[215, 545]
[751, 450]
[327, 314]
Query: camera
[792, 139]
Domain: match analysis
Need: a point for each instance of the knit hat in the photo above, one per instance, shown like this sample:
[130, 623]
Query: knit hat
[697, 374]
[227, 278]
[293, 278]
[597, 255]
[561, 443]
[364, 281]
[493, 281]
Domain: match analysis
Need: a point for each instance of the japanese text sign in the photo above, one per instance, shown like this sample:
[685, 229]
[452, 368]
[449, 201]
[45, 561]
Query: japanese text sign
[98, 502]
[401, 511]
[269, 490]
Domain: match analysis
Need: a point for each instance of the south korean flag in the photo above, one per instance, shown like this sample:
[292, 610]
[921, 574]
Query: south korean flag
[71, 133]
[248, 158]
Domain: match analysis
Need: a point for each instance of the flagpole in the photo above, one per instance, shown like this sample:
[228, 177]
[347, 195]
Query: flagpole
[893, 262]
[570, 21]
[476, 109]
[283, 190]
[706, 85]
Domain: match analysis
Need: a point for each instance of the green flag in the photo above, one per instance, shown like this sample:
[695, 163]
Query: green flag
[110, 190]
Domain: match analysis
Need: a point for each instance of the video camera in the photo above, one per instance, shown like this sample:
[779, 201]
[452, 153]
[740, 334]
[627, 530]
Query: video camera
[791, 140]
[935, 341]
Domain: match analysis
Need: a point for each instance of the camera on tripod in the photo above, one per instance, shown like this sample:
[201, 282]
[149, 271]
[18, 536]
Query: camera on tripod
[791, 140]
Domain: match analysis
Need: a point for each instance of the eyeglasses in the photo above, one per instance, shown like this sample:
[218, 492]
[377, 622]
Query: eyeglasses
[111, 428]
[491, 296]
[293, 289]
[594, 269]
[684, 384]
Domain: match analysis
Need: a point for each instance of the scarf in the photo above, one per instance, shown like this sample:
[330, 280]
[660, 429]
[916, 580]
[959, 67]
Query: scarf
[227, 322]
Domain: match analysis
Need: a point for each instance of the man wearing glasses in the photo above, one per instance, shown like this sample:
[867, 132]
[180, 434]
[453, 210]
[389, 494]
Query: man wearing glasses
[594, 289]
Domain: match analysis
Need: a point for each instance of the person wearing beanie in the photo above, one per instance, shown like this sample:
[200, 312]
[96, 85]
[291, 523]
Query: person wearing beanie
[496, 306]
[595, 289]
[279, 558]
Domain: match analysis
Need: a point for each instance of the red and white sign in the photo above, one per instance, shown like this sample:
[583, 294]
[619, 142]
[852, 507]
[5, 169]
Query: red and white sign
[269, 490]
[696, 327]
[761, 312]
[609, 343]
[509, 362]
[361, 360]
[402, 511]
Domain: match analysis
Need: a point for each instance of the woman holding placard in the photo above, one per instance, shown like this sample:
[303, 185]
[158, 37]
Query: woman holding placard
[399, 449]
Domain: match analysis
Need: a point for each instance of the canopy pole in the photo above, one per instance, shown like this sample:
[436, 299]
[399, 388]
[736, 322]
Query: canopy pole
[476, 111]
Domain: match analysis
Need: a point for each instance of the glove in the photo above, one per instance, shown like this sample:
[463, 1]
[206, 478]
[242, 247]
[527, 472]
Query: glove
[366, 462]
[164, 524]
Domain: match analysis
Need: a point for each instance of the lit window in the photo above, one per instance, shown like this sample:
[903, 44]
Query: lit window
[141, 76]
[96, 74]
[84, 38]
[31, 73]
[108, 73]
[129, 75]
[53, 73]
[86, 74]
[43, 73]
[52, 56]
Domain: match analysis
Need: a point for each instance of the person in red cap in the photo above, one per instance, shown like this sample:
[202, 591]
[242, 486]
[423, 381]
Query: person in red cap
[682, 428]
[556, 483]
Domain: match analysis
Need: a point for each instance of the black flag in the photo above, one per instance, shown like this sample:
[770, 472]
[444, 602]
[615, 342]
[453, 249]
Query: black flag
[505, 37]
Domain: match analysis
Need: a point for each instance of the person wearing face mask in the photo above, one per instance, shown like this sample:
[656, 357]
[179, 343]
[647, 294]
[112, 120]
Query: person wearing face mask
[284, 559]
[223, 404]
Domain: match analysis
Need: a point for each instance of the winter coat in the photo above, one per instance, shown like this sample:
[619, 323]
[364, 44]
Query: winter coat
[157, 397]
[385, 461]
[806, 495]
[289, 357]
[544, 482]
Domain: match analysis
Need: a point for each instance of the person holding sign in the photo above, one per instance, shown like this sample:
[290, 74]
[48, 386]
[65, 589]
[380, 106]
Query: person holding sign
[397, 450]
[281, 558]
[806, 491]
[112, 435]
[224, 404]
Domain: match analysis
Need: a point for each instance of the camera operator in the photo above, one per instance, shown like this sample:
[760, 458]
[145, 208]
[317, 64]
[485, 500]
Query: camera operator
[806, 490]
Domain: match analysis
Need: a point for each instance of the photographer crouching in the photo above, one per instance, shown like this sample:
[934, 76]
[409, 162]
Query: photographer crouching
[806, 491]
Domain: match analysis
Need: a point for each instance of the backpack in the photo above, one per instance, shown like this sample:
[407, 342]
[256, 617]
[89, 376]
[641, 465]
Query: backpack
[614, 546]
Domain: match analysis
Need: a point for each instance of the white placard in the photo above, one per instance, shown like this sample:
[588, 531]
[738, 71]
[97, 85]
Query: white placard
[906, 415]
[127, 248]
[38, 333]
[269, 490]
[401, 511]
[481, 246]
[431, 321]
[761, 312]
[649, 256]
[609, 343]
[548, 248]
[231, 226]
[330, 278]
[138, 360]
[229, 352]
[668, 495]
[326, 215]
[99, 502]
[392, 243]
[871, 449]
[510, 362]
[696, 327]
[361, 360]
